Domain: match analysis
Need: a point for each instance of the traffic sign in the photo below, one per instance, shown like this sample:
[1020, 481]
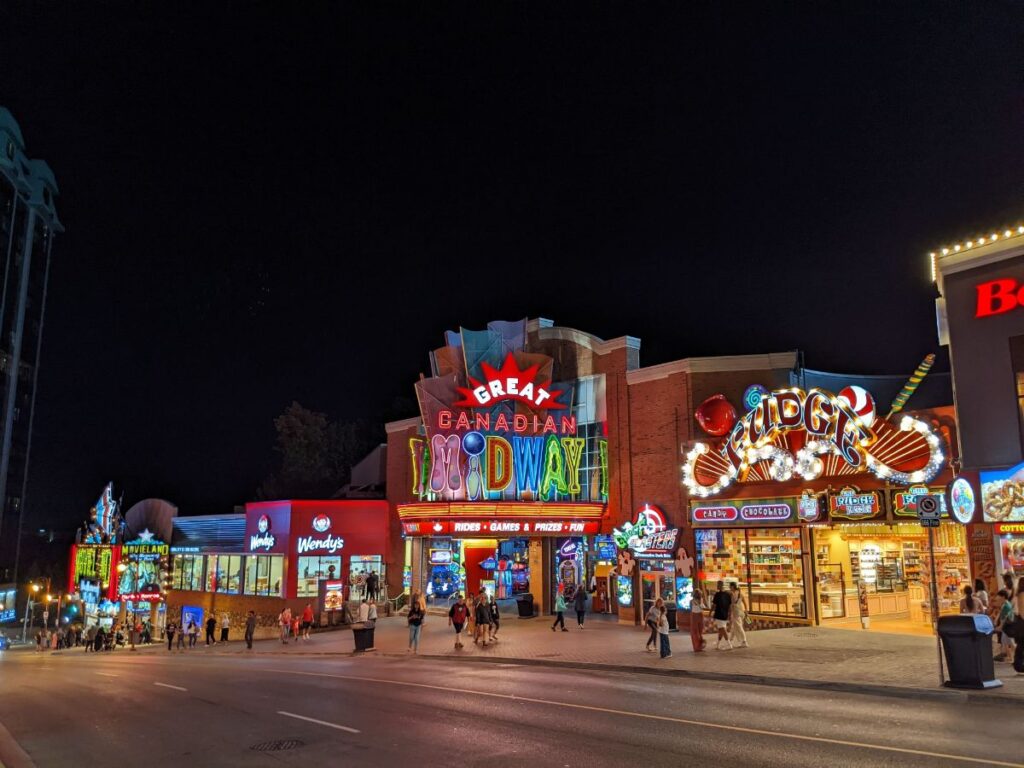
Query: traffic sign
[928, 508]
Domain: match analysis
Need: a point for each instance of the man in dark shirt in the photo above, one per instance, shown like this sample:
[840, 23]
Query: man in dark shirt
[720, 605]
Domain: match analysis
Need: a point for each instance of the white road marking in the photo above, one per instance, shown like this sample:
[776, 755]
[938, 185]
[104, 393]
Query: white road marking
[168, 685]
[106, 674]
[663, 718]
[318, 722]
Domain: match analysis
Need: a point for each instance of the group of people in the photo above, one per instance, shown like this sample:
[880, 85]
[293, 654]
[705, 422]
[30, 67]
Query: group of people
[291, 625]
[476, 615]
[93, 638]
[1006, 609]
[578, 598]
[728, 616]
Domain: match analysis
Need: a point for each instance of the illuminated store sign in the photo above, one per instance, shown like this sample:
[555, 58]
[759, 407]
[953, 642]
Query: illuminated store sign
[851, 504]
[330, 544]
[509, 383]
[264, 539]
[904, 503]
[504, 527]
[740, 512]
[961, 500]
[649, 536]
[815, 434]
[145, 548]
[92, 562]
[996, 297]
[1002, 495]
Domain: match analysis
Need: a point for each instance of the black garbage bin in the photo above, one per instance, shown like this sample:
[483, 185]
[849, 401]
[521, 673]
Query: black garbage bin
[525, 606]
[967, 642]
[363, 636]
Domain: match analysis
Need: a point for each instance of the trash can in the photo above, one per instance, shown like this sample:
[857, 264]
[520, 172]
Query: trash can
[670, 613]
[967, 642]
[363, 636]
[525, 606]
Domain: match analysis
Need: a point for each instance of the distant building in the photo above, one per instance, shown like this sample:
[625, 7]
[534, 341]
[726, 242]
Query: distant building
[28, 223]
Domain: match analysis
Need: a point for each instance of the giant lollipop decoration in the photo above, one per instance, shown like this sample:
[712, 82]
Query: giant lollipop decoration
[716, 415]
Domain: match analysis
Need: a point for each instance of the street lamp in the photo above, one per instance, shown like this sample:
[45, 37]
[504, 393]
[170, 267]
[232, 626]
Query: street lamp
[121, 568]
[33, 588]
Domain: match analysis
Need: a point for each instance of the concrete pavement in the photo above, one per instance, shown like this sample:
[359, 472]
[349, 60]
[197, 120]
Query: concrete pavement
[839, 659]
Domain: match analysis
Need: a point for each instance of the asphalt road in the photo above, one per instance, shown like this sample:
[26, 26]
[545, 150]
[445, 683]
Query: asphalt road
[190, 710]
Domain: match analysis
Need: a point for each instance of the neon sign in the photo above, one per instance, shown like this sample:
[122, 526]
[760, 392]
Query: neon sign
[851, 504]
[996, 297]
[904, 503]
[509, 383]
[496, 526]
[330, 544]
[830, 435]
[649, 536]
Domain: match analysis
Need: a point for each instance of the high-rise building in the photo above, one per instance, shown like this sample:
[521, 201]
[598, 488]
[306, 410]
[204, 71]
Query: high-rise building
[28, 223]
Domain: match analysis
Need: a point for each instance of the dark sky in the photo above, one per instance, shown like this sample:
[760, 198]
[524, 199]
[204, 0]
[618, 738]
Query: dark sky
[294, 203]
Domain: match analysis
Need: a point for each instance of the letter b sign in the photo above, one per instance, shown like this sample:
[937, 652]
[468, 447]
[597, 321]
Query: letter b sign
[998, 296]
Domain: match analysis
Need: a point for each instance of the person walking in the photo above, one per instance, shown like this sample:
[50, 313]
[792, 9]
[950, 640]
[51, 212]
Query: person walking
[193, 634]
[90, 638]
[182, 637]
[721, 604]
[737, 616]
[970, 604]
[559, 612]
[471, 616]
[364, 610]
[211, 628]
[1008, 585]
[457, 616]
[652, 619]
[665, 645]
[1018, 610]
[307, 620]
[98, 640]
[416, 618]
[371, 614]
[1003, 616]
[372, 586]
[284, 620]
[250, 629]
[579, 602]
[225, 626]
[170, 636]
[981, 595]
[495, 618]
[296, 628]
[483, 618]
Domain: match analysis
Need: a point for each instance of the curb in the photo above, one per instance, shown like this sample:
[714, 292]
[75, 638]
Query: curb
[11, 753]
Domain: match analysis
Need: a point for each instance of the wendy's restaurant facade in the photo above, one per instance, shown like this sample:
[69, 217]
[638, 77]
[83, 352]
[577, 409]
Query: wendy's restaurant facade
[277, 554]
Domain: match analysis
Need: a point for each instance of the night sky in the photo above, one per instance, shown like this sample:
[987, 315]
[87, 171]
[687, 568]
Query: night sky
[266, 205]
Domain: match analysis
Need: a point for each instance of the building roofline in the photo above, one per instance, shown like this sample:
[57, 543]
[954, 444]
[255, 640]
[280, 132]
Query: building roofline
[690, 365]
[403, 424]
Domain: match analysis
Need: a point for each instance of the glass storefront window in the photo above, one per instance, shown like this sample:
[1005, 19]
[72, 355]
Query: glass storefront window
[230, 573]
[263, 575]
[188, 572]
[766, 564]
[313, 569]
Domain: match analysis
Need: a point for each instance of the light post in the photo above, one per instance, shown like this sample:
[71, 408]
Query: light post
[121, 568]
[28, 611]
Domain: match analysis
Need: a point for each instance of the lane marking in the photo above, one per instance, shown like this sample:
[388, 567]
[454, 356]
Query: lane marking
[173, 687]
[662, 718]
[106, 674]
[318, 722]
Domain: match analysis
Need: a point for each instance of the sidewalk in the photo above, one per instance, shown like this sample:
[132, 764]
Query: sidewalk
[840, 659]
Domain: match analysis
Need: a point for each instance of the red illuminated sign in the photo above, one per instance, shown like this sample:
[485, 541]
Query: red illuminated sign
[500, 527]
[715, 514]
[509, 383]
[998, 296]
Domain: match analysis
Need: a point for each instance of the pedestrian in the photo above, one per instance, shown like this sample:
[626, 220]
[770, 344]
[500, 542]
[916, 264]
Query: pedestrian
[39, 641]
[981, 595]
[1003, 617]
[483, 618]
[652, 618]
[457, 615]
[296, 628]
[970, 604]
[372, 613]
[284, 620]
[98, 640]
[416, 618]
[193, 634]
[90, 638]
[495, 618]
[1018, 610]
[559, 612]
[170, 635]
[211, 628]
[225, 626]
[364, 610]
[666, 647]
[737, 616]
[579, 601]
[307, 620]
[1008, 585]
[721, 603]
[372, 585]
[250, 629]
[471, 616]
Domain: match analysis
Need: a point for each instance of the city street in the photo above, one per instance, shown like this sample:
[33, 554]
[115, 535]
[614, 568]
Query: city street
[383, 710]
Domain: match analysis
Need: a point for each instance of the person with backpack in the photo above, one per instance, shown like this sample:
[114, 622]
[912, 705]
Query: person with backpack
[457, 616]
[417, 615]
[559, 612]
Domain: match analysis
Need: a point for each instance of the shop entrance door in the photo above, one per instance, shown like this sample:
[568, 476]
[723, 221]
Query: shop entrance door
[831, 591]
[655, 584]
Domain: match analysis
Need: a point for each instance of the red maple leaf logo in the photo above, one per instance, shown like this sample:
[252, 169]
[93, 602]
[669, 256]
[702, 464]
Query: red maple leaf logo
[509, 383]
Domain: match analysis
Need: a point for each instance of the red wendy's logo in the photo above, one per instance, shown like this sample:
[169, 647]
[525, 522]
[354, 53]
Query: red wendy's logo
[321, 523]
[509, 383]
[263, 524]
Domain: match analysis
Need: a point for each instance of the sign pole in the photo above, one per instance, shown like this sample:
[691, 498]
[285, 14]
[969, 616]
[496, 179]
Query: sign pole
[935, 601]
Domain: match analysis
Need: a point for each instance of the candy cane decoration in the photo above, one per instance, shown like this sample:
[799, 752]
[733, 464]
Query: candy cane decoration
[912, 383]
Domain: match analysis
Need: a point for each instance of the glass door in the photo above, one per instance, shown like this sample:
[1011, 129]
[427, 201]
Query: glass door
[831, 591]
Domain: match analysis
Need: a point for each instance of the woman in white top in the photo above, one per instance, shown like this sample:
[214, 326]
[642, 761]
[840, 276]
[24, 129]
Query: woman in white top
[981, 595]
[970, 604]
[737, 615]
[1018, 604]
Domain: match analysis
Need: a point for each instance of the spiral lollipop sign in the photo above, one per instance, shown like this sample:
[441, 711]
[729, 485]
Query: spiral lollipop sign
[792, 433]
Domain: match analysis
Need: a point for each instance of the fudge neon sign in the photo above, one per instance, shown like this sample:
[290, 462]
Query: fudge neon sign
[509, 383]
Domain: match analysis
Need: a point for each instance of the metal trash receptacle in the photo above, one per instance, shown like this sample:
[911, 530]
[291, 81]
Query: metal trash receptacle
[362, 633]
[967, 646]
[525, 606]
